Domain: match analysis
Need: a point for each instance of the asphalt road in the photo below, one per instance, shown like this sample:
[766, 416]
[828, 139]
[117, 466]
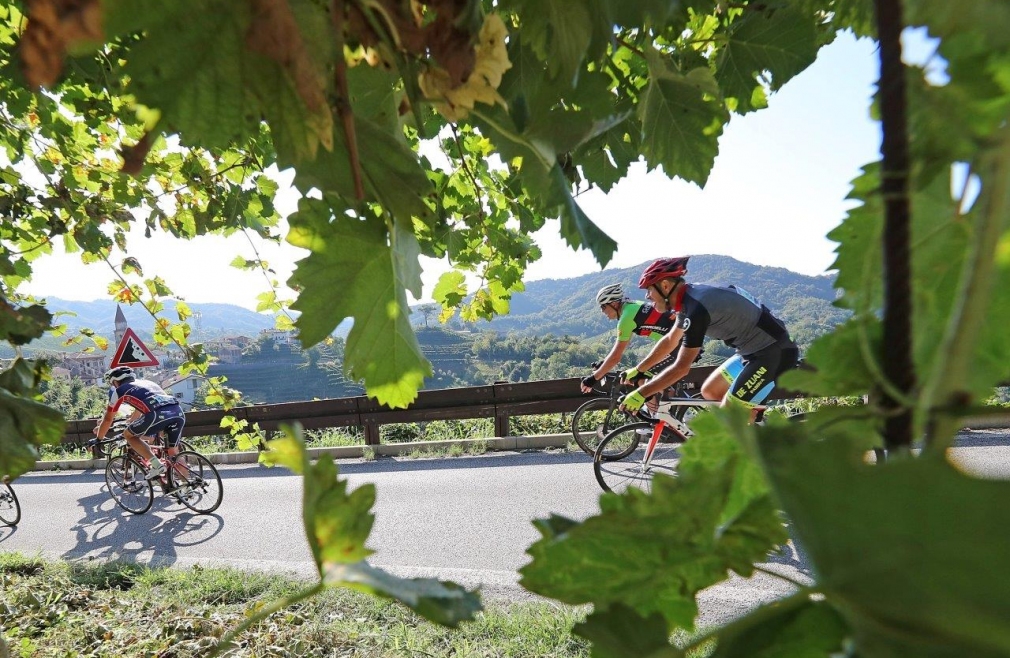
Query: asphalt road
[466, 519]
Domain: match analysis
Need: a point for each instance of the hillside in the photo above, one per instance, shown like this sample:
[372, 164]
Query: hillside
[555, 330]
[214, 319]
[568, 306]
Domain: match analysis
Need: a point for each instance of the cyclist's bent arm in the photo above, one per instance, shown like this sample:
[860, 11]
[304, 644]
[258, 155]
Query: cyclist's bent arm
[666, 345]
[672, 374]
[103, 425]
[612, 359]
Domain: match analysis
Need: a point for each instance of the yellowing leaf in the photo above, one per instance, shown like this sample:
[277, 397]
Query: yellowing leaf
[455, 102]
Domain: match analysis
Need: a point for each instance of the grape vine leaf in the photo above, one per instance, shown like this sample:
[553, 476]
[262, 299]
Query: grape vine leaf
[798, 627]
[192, 66]
[559, 31]
[686, 535]
[337, 524]
[353, 271]
[682, 118]
[25, 422]
[776, 43]
[932, 519]
[620, 632]
[21, 325]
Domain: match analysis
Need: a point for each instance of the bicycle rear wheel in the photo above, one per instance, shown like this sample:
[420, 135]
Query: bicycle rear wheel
[10, 508]
[196, 482]
[594, 420]
[124, 476]
[619, 462]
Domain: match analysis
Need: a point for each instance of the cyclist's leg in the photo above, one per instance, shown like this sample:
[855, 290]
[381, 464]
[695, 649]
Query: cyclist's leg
[135, 432]
[757, 378]
[169, 420]
[719, 382]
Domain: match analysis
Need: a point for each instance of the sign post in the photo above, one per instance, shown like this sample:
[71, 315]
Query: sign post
[132, 352]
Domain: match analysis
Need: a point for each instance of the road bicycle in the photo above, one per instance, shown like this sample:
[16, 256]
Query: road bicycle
[600, 415]
[10, 508]
[632, 454]
[116, 444]
[189, 478]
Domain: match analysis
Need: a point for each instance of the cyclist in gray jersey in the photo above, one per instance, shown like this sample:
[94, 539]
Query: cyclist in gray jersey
[764, 349]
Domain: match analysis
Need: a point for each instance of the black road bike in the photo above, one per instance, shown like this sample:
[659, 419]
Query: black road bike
[10, 508]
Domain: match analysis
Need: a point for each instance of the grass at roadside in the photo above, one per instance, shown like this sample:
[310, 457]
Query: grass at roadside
[118, 609]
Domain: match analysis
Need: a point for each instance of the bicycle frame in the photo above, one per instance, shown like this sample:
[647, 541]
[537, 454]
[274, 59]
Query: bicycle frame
[664, 418]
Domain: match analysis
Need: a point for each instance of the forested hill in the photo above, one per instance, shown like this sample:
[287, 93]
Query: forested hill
[568, 306]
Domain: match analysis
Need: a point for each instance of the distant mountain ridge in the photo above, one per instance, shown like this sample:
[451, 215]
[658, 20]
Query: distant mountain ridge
[100, 315]
[547, 307]
[568, 306]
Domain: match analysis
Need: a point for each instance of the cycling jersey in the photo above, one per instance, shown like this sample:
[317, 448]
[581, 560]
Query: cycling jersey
[643, 319]
[161, 411]
[141, 394]
[729, 314]
[763, 347]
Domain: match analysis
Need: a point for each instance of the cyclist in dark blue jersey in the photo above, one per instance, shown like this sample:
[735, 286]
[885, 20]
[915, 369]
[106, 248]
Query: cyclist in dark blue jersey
[155, 411]
[764, 349]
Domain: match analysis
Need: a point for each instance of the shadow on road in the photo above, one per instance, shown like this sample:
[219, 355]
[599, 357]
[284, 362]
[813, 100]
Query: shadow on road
[107, 532]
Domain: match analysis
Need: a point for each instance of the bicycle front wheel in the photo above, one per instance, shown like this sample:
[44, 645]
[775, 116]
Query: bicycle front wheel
[10, 508]
[196, 482]
[124, 476]
[594, 420]
[621, 460]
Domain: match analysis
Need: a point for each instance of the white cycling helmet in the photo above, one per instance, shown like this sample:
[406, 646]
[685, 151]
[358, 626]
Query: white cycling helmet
[610, 294]
[118, 374]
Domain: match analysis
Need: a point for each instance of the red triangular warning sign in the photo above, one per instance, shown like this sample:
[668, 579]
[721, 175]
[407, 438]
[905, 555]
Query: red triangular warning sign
[132, 352]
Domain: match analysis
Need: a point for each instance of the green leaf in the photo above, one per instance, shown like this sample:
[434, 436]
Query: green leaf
[681, 122]
[912, 552]
[439, 601]
[353, 256]
[191, 65]
[860, 256]
[797, 627]
[986, 20]
[25, 423]
[598, 167]
[685, 536]
[560, 32]
[553, 191]
[841, 362]
[655, 13]
[450, 289]
[337, 524]
[20, 326]
[620, 632]
[391, 172]
[765, 47]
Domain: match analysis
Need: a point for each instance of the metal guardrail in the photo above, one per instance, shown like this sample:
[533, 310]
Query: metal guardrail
[500, 401]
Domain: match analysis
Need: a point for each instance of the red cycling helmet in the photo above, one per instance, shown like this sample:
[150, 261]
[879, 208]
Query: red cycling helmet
[663, 268]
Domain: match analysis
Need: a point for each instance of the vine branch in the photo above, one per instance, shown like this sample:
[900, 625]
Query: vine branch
[897, 358]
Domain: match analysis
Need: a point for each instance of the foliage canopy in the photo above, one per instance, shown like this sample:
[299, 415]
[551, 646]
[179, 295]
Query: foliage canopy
[171, 115]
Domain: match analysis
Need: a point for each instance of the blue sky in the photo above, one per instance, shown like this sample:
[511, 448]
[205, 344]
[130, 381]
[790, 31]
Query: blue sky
[778, 187]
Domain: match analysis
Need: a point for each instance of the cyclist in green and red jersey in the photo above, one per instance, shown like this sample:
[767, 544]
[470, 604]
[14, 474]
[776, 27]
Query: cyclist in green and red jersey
[640, 318]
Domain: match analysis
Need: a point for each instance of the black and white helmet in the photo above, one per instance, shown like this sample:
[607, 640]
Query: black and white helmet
[118, 375]
[610, 294]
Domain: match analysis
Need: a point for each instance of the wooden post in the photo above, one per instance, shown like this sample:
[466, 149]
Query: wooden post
[372, 433]
[501, 423]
